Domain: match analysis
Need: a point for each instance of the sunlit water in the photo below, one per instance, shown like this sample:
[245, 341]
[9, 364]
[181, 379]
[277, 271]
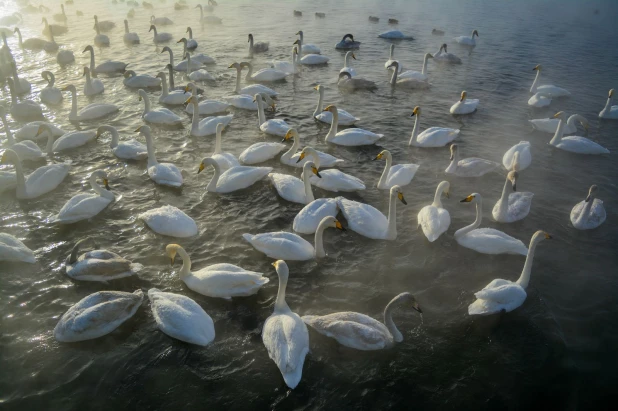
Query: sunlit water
[556, 350]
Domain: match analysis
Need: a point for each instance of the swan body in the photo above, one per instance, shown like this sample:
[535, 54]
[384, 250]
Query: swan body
[504, 295]
[307, 48]
[344, 118]
[293, 159]
[243, 101]
[331, 180]
[469, 167]
[166, 174]
[514, 206]
[395, 34]
[92, 111]
[169, 221]
[308, 219]
[349, 83]
[218, 280]
[348, 43]
[26, 150]
[225, 160]
[25, 109]
[550, 125]
[313, 60]
[173, 97]
[590, 213]
[50, 95]
[30, 130]
[260, 152]
[207, 126]
[159, 37]
[434, 219]
[467, 40]
[126, 150]
[13, 250]
[350, 136]
[525, 157]
[444, 57]
[161, 116]
[346, 64]
[92, 86]
[65, 57]
[265, 74]
[205, 107]
[97, 315]
[41, 181]
[286, 66]
[609, 111]
[539, 100]
[129, 37]
[133, 80]
[275, 127]
[254, 89]
[201, 75]
[395, 175]
[233, 179]
[85, 206]
[487, 240]
[431, 137]
[285, 335]
[99, 265]
[359, 331]
[464, 105]
[574, 144]
[550, 91]
[68, 141]
[181, 318]
[294, 189]
[109, 67]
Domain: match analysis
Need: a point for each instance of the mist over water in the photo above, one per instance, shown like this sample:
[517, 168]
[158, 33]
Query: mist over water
[556, 351]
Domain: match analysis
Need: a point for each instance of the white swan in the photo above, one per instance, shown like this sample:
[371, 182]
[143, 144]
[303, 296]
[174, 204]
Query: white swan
[346, 82]
[369, 221]
[469, 167]
[126, 150]
[197, 75]
[181, 318]
[609, 111]
[331, 180]
[486, 240]
[169, 221]
[550, 91]
[68, 141]
[259, 47]
[100, 40]
[130, 38]
[133, 80]
[292, 158]
[41, 181]
[434, 219]
[285, 335]
[161, 115]
[411, 74]
[166, 174]
[251, 90]
[25, 109]
[431, 137]
[514, 206]
[550, 125]
[8, 181]
[539, 100]
[309, 59]
[280, 244]
[262, 151]
[85, 206]
[50, 95]
[26, 150]
[32, 43]
[524, 159]
[92, 111]
[13, 250]
[395, 35]
[350, 136]
[195, 58]
[208, 125]
[443, 56]
[30, 130]
[504, 295]
[61, 17]
[205, 107]
[359, 331]
[109, 67]
[264, 75]
[467, 40]
[225, 160]
[174, 97]
[275, 127]
[308, 48]
[293, 189]
[97, 315]
[98, 265]
[395, 175]
[464, 105]
[182, 66]
[346, 64]
[159, 37]
[235, 178]
[161, 21]
[590, 213]
[191, 43]
[574, 144]
[92, 86]
[218, 280]
[391, 59]
[407, 82]
[348, 43]
[344, 118]
[286, 66]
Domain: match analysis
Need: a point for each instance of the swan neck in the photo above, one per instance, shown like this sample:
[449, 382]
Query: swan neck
[19, 174]
[169, 50]
[608, 105]
[212, 186]
[238, 73]
[308, 191]
[387, 169]
[185, 270]
[249, 73]
[49, 148]
[195, 121]
[392, 216]
[425, 61]
[171, 76]
[73, 104]
[389, 323]
[164, 90]
[437, 198]
[394, 75]
[558, 134]
[333, 126]
[288, 154]
[152, 158]
[146, 105]
[503, 203]
[535, 82]
[98, 189]
[126, 27]
[586, 209]
[261, 115]
[115, 136]
[477, 221]
[524, 278]
[217, 140]
[414, 130]
[280, 304]
[319, 240]
[318, 108]
[7, 130]
[251, 46]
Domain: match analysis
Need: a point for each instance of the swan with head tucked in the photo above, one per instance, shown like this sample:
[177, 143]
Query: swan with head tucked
[41, 181]
[93, 111]
[550, 125]
[469, 167]
[208, 125]
[307, 48]
[205, 107]
[348, 137]
[98, 265]
[129, 38]
[504, 295]
[85, 206]
[359, 331]
[434, 219]
[174, 97]
[348, 43]
[309, 59]
[50, 95]
[443, 56]
[524, 158]
[161, 115]
[159, 37]
[292, 158]
[109, 67]
[126, 150]
[65, 57]
[166, 174]
[349, 83]
[68, 141]
[514, 206]
[344, 118]
[486, 240]
[574, 144]
[395, 175]
[92, 86]
[225, 160]
[100, 39]
[333, 179]
[346, 64]
[169, 221]
[13, 250]
[280, 244]
[264, 75]
[550, 91]
[609, 111]
[234, 178]
[285, 335]
[407, 82]
[431, 137]
[25, 109]
[259, 47]
[275, 127]
[590, 213]
[26, 150]
[395, 35]
[97, 315]
[181, 318]
[293, 189]
[218, 280]
[464, 105]
[467, 40]
[134, 80]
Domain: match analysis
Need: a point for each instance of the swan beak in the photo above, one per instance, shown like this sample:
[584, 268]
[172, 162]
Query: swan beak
[316, 172]
[199, 170]
[296, 42]
[300, 157]
[339, 226]
[179, 41]
[106, 184]
[231, 66]
[137, 130]
[403, 200]
[588, 198]
[188, 100]
[558, 114]
[378, 157]
[40, 131]
[467, 199]
[353, 56]
[186, 91]
[548, 237]
[417, 307]
[316, 87]
[446, 193]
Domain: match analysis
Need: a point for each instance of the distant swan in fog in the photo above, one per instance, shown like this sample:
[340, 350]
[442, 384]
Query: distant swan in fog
[259, 47]
[609, 111]
[131, 38]
[467, 40]
[348, 43]
[92, 86]
[159, 37]
[25, 109]
[574, 144]
[550, 125]
[92, 111]
[550, 91]
[100, 40]
[434, 219]
[442, 56]
[98, 265]
[590, 213]
[12, 249]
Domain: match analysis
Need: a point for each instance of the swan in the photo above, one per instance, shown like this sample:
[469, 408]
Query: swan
[92, 87]
[159, 37]
[130, 38]
[67, 141]
[275, 127]
[161, 21]
[331, 180]
[260, 152]
[196, 58]
[12, 19]
[590, 213]
[174, 97]
[109, 67]
[208, 125]
[13, 250]
[25, 109]
[369, 221]
[292, 158]
[464, 106]
[205, 107]
[65, 57]
[279, 245]
[609, 111]
[539, 100]
[286, 66]
[161, 116]
[207, 19]
[397, 175]
[97, 315]
[285, 335]
[197, 75]
[181, 318]
[346, 64]
[525, 157]
[218, 280]
[574, 144]
[100, 40]
[61, 17]
[434, 219]
[469, 167]
[467, 40]
[359, 331]
[182, 66]
[391, 59]
[225, 160]
[259, 47]
[409, 82]
[415, 75]
[51, 46]
[166, 174]
[242, 101]
[348, 43]
[549, 91]
[104, 25]
[307, 48]
[550, 125]
[92, 111]
[431, 137]
[26, 150]
[127, 150]
[133, 80]
[33, 43]
[85, 206]
[504, 295]
[41, 181]
[22, 86]
[191, 43]
[486, 240]
[265, 74]
[251, 89]
[344, 118]
[350, 136]
[293, 189]
[169, 221]
[30, 130]
[443, 56]
[53, 29]
[233, 179]
[309, 59]
[395, 35]
[514, 206]
[346, 82]
[98, 265]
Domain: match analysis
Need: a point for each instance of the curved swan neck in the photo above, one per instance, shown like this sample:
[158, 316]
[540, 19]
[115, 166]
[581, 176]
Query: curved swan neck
[414, 130]
[437, 198]
[392, 216]
[217, 140]
[477, 221]
[280, 304]
[185, 270]
[308, 191]
[146, 104]
[260, 104]
[169, 50]
[394, 75]
[319, 239]
[318, 108]
[115, 137]
[97, 188]
[389, 323]
[212, 186]
[524, 278]
[387, 169]
[333, 126]
[535, 82]
[7, 130]
[288, 154]
[586, 209]
[425, 61]
[92, 62]
[152, 158]
[249, 73]
[21, 43]
[170, 70]
[558, 134]
[238, 74]
[51, 79]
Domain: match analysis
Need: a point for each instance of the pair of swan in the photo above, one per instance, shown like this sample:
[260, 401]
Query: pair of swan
[309, 59]
[467, 40]
[166, 174]
[68, 141]
[93, 111]
[208, 125]
[26, 150]
[109, 67]
[550, 125]
[233, 179]
[50, 95]
[159, 37]
[395, 175]
[169, 221]
[431, 137]
[25, 109]
[126, 150]
[162, 116]
[333, 179]
[469, 167]
[13, 250]
[348, 137]
[443, 56]
[98, 265]
[344, 118]
[434, 219]
[574, 144]
[609, 111]
[85, 206]
[41, 181]
[590, 213]
[464, 105]
[129, 37]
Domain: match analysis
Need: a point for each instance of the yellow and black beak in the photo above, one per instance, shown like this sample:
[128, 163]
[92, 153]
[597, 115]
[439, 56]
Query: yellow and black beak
[315, 171]
[316, 87]
[231, 66]
[338, 226]
[548, 237]
[137, 130]
[446, 193]
[400, 196]
[378, 157]
[353, 56]
[106, 184]
[300, 157]
[296, 42]
[40, 131]
[201, 167]
[417, 307]
[467, 199]
[186, 91]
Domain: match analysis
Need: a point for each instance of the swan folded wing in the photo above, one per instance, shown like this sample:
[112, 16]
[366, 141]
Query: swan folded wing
[237, 178]
[581, 145]
[46, 178]
[363, 218]
[287, 340]
[289, 187]
[260, 152]
[401, 174]
[166, 173]
[509, 294]
[82, 206]
[437, 136]
[231, 280]
[491, 241]
[519, 204]
[433, 221]
[335, 180]
[308, 219]
[281, 245]
[131, 149]
[475, 167]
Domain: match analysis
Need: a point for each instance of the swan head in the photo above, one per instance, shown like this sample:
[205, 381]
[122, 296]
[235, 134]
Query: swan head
[464, 94]
[207, 161]
[396, 190]
[540, 235]
[220, 128]
[249, 38]
[182, 40]
[472, 198]
[143, 130]
[475, 33]
[591, 192]
[130, 73]
[244, 64]
[88, 48]
[166, 48]
[299, 33]
[383, 154]
[142, 94]
[235, 66]
[394, 65]
[309, 167]
[70, 87]
[406, 297]
[512, 177]
[189, 87]
[416, 111]
[443, 47]
[308, 151]
[560, 115]
[96, 18]
[332, 222]
[319, 88]
[454, 151]
[446, 187]
[352, 55]
[537, 67]
[42, 129]
[428, 56]
[161, 75]
[332, 108]
[292, 133]
[611, 93]
[344, 74]
[9, 157]
[86, 71]
[102, 175]
[282, 269]
[171, 250]
[152, 27]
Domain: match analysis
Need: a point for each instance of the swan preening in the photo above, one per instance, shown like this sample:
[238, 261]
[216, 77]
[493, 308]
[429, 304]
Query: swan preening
[590, 213]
